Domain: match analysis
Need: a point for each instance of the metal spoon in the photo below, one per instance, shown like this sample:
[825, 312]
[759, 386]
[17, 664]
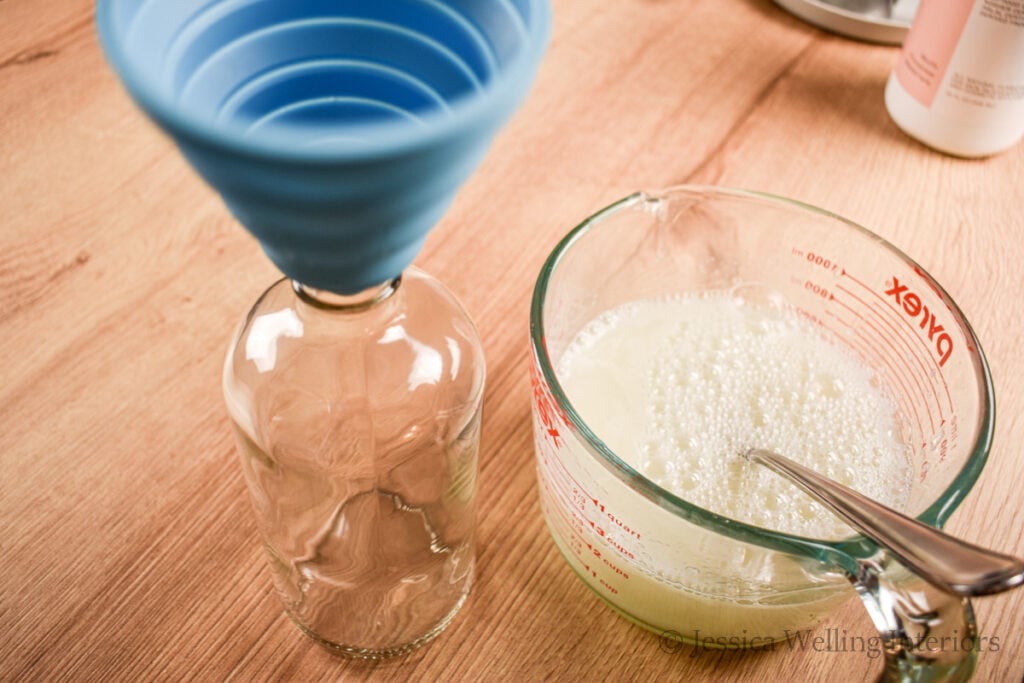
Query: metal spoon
[947, 562]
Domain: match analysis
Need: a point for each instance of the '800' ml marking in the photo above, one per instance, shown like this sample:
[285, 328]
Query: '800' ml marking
[913, 307]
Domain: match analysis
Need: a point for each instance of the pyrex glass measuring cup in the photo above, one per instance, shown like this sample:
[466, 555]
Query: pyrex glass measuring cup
[676, 568]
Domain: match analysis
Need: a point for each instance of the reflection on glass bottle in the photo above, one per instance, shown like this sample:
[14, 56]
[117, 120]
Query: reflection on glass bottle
[358, 420]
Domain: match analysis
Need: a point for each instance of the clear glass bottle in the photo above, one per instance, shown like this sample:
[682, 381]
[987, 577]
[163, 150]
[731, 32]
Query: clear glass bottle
[358, 422]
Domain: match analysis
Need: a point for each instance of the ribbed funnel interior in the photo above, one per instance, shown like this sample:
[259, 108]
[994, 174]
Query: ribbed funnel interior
[324, 67]
[337, 131]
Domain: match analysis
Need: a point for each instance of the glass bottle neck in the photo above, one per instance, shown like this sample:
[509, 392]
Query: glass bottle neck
[360, 301]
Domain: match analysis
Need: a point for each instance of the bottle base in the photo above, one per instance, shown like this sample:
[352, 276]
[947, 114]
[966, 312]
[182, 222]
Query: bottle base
[954, 137]
[355, 652]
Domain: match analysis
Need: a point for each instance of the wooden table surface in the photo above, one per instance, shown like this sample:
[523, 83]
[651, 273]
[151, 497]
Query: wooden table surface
[128, 550]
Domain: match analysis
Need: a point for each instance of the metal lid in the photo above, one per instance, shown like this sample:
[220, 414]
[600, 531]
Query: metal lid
[876, 21]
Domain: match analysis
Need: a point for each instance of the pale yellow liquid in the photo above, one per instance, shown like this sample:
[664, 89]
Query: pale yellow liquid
[680, 388]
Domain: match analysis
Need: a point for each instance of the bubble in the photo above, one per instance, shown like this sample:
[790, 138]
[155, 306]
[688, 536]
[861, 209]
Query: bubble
[687, 383]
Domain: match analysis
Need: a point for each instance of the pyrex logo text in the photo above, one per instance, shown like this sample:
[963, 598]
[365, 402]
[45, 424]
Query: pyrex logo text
[912, 306]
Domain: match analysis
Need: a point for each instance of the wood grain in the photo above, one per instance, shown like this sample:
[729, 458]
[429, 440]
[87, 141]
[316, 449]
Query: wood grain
[128, 550]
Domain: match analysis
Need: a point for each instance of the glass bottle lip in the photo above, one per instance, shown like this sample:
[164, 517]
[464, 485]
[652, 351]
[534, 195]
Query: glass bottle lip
[835, 550]
[346, 303]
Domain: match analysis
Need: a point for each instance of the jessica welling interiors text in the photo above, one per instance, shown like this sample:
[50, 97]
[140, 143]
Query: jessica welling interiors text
[830, 640]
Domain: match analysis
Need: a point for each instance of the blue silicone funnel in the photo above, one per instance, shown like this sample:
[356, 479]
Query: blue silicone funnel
[337, 131]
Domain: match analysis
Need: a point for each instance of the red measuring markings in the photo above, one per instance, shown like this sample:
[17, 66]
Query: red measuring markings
[572, 522]
[576, 500]
[885, 357]
[871, 345]
[954, 431]
[576, 545]
[609, 538]
[573, 525]
[906, 304]
[547, 409]
[585, 563]
[815, 259]
[594, 553]
[903, 314]
[596, 503]
[573, 499]
[604, 584]
[866, 350]
[566, 473]
[570, 494]
[620, 548]
[591, 554]
[909, 350]
[615, 520]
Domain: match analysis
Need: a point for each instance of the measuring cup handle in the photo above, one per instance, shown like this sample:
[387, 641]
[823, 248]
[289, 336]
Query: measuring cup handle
[927, 634]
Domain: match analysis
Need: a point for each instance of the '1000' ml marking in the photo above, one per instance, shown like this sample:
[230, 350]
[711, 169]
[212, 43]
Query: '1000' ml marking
[913, 307]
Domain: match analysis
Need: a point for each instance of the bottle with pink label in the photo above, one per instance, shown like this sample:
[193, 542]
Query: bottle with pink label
[958, 85]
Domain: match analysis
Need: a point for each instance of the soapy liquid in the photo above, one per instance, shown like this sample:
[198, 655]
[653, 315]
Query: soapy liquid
[679, 388]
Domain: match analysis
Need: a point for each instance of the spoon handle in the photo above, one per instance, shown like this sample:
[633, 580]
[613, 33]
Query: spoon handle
[947, 562]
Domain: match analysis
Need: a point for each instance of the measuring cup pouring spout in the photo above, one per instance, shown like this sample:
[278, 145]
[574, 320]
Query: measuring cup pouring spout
[674, 566]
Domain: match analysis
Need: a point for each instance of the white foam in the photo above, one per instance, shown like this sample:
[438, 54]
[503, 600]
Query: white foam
[679, 388]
